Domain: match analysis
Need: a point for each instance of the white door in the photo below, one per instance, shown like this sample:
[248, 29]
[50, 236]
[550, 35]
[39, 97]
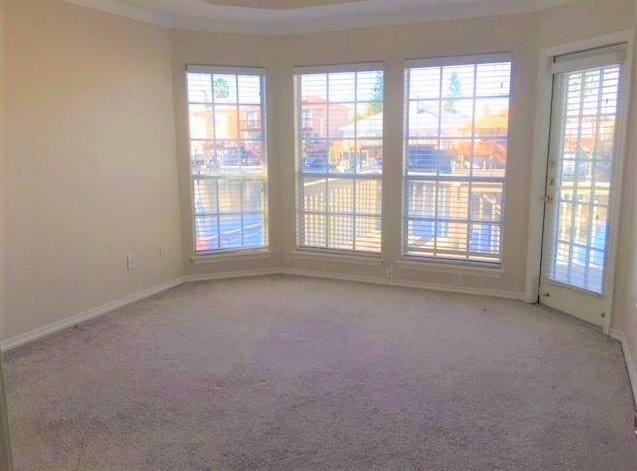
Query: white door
[582, 184]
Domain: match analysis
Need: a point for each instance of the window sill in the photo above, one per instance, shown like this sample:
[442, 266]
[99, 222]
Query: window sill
[231, 255]
[336, 256]
[463, 268]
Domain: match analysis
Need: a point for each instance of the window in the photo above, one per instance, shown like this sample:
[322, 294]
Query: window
[340, 157]
[456, 140]
[226, 110]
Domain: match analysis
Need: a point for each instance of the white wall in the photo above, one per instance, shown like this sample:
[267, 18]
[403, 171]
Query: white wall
[89, 161]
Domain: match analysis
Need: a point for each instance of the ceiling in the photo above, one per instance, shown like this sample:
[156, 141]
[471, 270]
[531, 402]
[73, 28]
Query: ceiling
[301, 16]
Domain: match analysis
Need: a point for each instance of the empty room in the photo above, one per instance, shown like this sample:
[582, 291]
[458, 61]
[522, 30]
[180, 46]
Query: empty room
[318, 235]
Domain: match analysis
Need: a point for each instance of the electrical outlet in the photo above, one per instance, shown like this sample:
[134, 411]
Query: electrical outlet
[131, 261]
[163, 252]
[390, 272]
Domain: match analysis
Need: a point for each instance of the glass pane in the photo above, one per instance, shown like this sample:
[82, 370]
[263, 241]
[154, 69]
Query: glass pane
[342, 156]
[489, 157]
[486, 202]
[457, 81]
[225, 88]
[341, 195]
[454, 157]
[341, 232]
[230, 196]
[202, 157]
[314, 230]
[226, 122]
[201, 122]
[314, 156]
[253, 197]
[314, 121]
[493, 79]
[368, 234]
[369, 155]
[205, 196]
[250, 122]
[253, 230]
[230, 231]
[424, 83]
[369, 86]
[249, 89]
[206, 233]
[314, 88]
[424, 118]
[421, 197]
[422, 157]
[492, 117]
[456, 117]
[485, 238]
[314, 194]
[453, 199]
[368, 197]
[341, 118]
[342, 87]
[199, 88]
[368, 120]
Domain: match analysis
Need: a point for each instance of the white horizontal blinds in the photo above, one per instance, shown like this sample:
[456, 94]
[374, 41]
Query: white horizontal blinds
[228, 158]
[340, 152]
[581, 175]
[455, 157]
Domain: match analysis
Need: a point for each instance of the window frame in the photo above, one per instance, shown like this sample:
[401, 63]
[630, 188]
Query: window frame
[231, 252]
[352, 254]
[424, 260]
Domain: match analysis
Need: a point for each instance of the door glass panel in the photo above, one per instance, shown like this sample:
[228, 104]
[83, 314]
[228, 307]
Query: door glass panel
[580, 177]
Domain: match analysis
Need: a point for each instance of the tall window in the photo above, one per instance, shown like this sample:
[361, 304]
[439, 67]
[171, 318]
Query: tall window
[457, 113]
[339, 120]
[228, 158]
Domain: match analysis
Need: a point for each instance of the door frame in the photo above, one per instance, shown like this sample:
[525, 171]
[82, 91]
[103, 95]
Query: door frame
[544, 100]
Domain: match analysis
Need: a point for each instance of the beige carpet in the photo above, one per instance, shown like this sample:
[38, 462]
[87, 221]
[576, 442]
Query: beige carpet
[287, 373]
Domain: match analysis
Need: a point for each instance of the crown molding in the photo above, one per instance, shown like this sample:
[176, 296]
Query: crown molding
[128, 11]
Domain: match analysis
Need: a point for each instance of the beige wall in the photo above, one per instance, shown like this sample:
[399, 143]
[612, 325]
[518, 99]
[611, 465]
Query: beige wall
[581, 19]
[89, 161]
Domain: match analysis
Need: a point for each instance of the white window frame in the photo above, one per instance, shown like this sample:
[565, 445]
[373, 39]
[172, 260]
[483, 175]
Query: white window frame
[411, 258]
[298, 122]
[225, 253]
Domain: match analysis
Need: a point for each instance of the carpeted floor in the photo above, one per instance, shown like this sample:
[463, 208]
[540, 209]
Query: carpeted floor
[288, 373]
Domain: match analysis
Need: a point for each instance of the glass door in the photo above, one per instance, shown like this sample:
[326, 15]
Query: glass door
[581, 186]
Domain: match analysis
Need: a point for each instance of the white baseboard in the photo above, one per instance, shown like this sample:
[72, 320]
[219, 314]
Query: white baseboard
[233, 274]
[405, 283]
[98, 311]
[71, 321]
[629, 358]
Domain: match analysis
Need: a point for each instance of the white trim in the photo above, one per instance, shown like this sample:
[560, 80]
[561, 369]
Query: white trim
[233, 274]
[223, 69]
[601, 59]
[332, 68]
[127, 11]
[629, 358]
[377, 280]
[540, 152]
[85, 316]
[231, 255]
[320, 255]
[458, 60]
[462, 268]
